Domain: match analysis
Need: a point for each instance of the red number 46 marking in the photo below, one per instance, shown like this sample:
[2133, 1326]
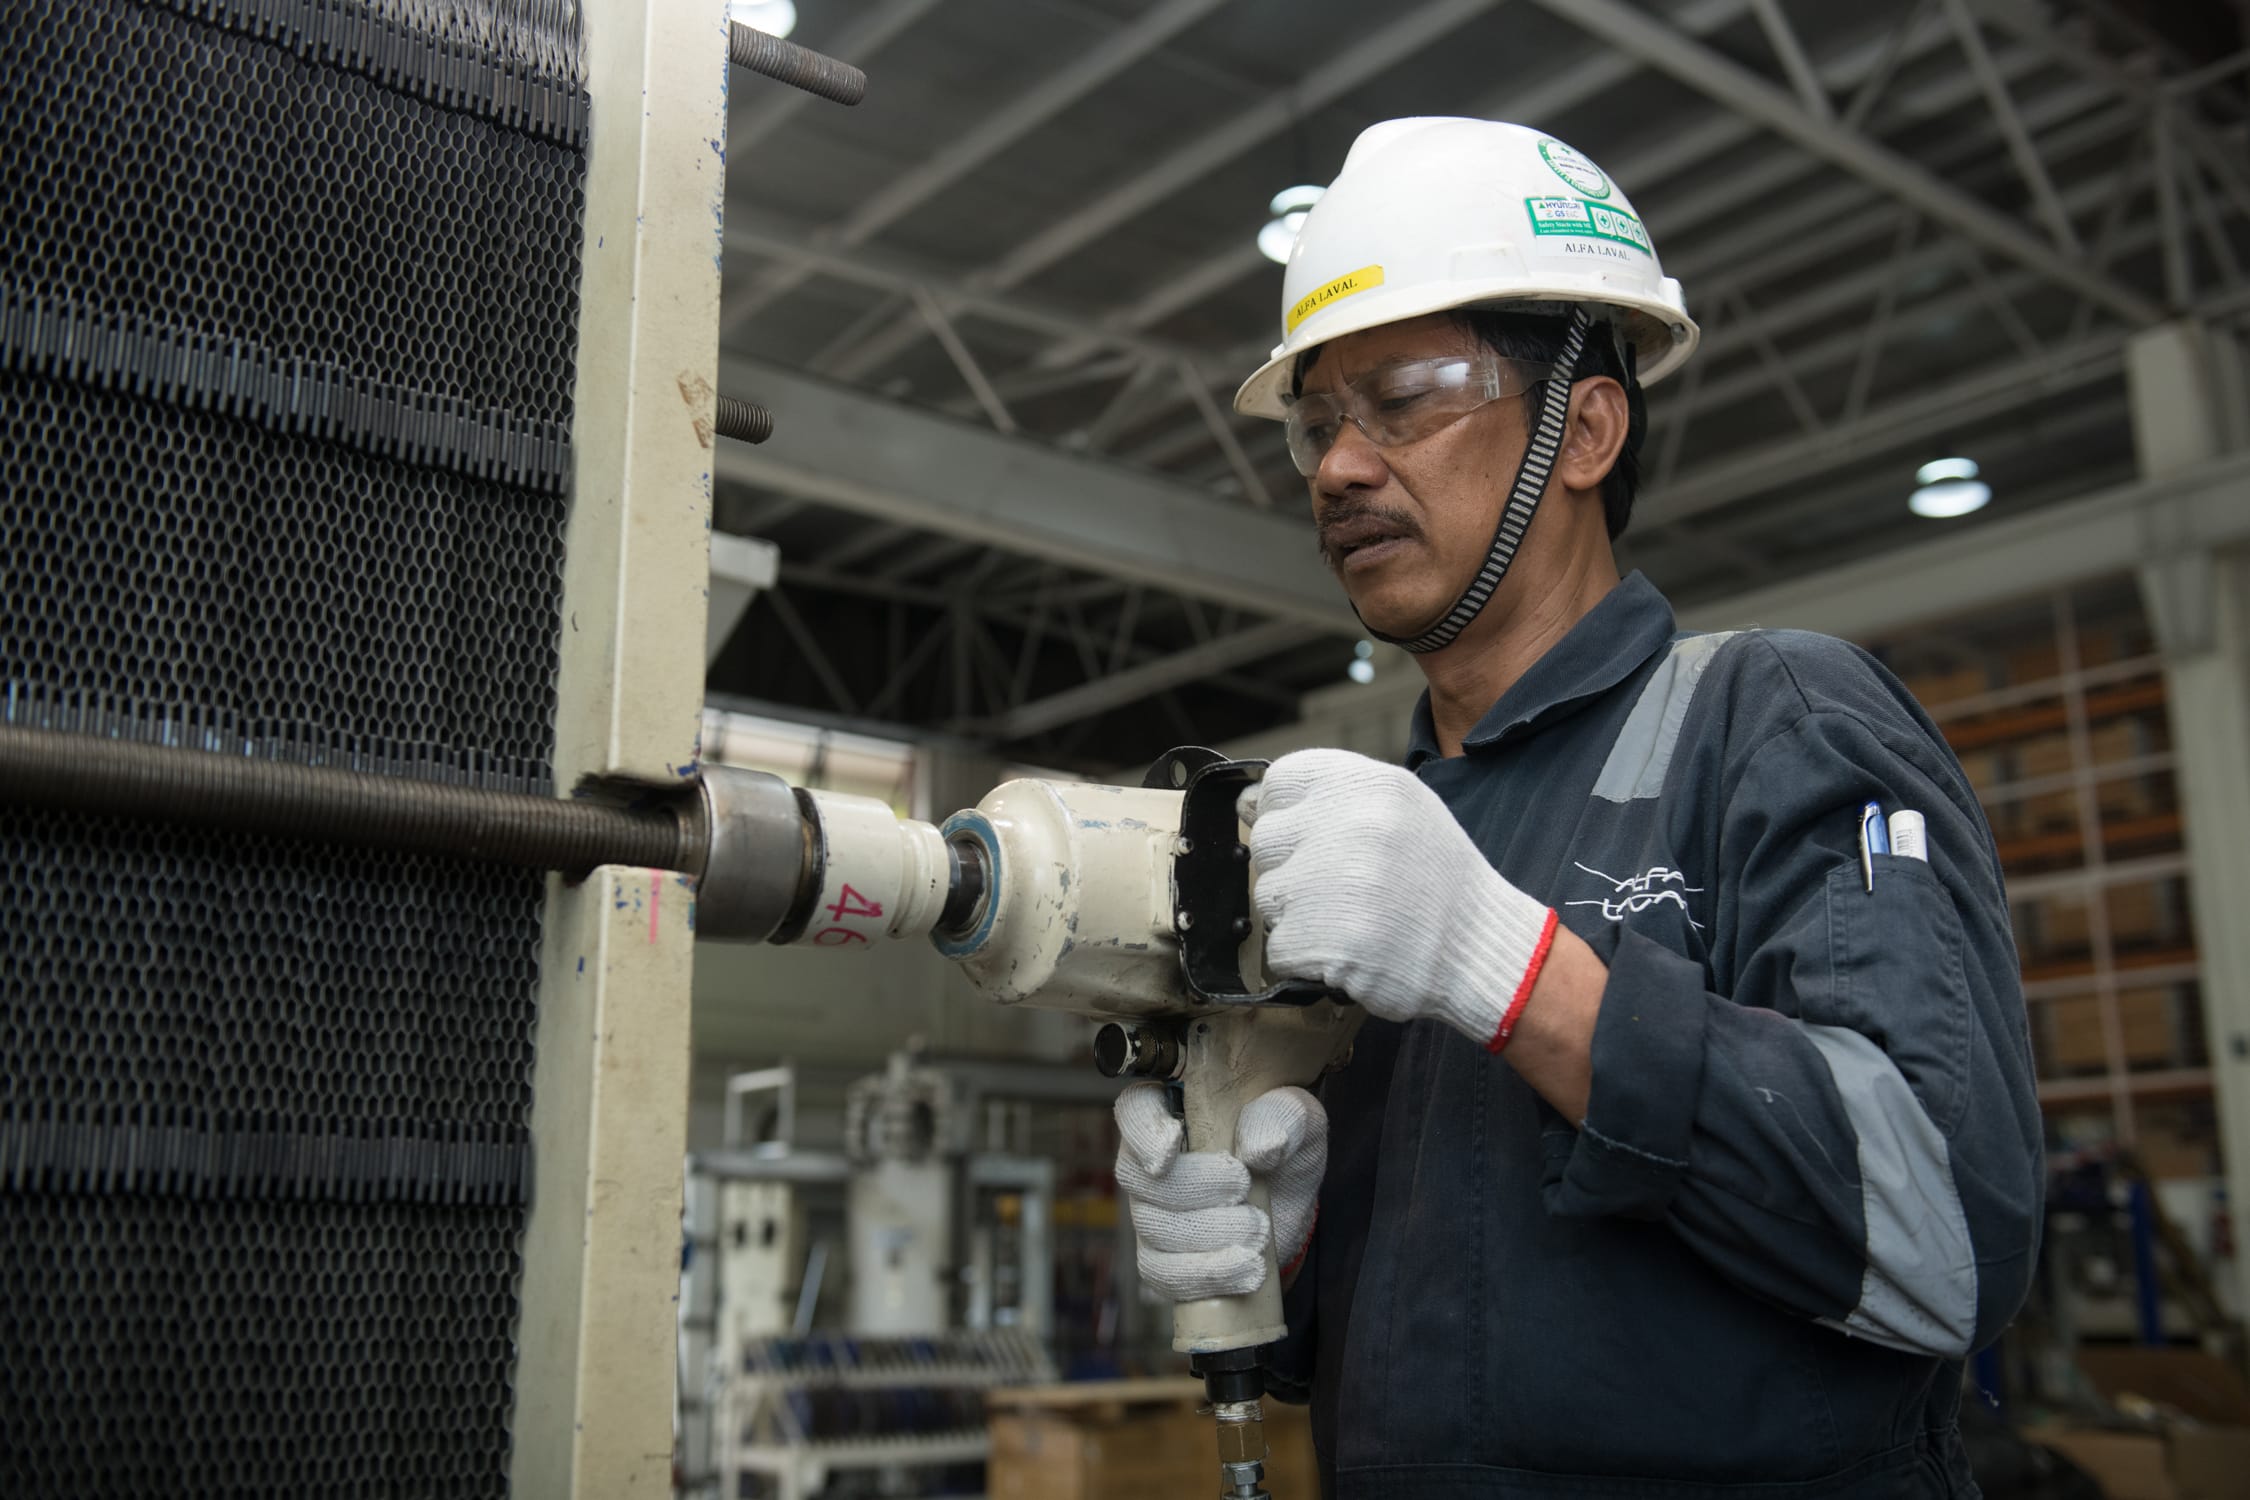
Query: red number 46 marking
[852, 904]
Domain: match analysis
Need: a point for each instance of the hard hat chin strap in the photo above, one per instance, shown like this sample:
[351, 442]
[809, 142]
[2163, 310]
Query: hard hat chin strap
[1523, 500]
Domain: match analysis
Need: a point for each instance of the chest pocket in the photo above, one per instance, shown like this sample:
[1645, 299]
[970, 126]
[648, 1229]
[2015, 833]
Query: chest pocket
[1899, 977]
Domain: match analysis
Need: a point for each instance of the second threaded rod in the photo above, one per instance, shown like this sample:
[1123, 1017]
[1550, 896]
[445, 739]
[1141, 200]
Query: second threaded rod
[799, 67]
[744, 420]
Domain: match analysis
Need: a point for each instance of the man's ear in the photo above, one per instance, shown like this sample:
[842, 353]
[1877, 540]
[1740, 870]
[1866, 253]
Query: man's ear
[1593, 433]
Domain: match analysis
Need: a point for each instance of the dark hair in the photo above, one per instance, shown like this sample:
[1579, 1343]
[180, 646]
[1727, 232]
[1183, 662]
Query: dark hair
[1538, 339]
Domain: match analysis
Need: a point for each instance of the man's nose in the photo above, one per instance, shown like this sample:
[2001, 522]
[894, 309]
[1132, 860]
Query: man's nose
[1351, 462]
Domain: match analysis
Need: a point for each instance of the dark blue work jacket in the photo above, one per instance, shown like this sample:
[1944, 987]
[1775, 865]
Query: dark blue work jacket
[1808, 1181]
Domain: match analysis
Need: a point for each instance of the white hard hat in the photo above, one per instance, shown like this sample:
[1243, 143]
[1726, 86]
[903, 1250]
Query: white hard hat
[1431, 214]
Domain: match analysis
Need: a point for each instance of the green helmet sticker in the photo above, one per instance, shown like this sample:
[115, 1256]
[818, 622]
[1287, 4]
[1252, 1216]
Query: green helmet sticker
[1574, 168]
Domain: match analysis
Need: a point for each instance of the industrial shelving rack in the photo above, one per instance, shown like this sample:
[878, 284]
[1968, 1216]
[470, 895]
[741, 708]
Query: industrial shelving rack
[2056, 706]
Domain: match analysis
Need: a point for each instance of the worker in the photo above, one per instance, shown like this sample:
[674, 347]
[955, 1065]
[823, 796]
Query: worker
[1690, 1145]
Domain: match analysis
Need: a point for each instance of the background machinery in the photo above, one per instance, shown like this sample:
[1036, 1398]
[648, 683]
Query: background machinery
[807, 1367]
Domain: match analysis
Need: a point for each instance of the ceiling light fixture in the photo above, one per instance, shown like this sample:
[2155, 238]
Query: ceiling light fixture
[1949, 487]
[1362, 669]
[773, 17]
[1288, 208]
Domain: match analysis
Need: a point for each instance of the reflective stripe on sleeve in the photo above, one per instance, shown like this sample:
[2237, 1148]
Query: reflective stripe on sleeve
[1919, 1290]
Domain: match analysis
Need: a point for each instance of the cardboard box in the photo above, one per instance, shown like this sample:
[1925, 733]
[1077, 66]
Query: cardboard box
[2127, 1465]
[2210, 1463]
[1982, 767]
[1128, 1440]
[2170, 1156]
[2199, 1386]
[2142, 914]
[2118, 739]
[2048, 812]
[2039, 663]
[1934, 689]
[2185, 1463]
[2147, 1019]
[2205, 1456]
[2049, 755]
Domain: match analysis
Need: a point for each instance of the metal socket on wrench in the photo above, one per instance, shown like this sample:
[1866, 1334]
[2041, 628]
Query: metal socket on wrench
[744, 890]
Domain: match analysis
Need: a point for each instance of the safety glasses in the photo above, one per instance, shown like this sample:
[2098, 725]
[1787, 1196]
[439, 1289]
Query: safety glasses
[1403, 403]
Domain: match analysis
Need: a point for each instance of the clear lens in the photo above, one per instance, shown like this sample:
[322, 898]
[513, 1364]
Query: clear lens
[1310, 424]
[1403, 403]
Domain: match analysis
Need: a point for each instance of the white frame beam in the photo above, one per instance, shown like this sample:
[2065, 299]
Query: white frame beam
[596, 1343]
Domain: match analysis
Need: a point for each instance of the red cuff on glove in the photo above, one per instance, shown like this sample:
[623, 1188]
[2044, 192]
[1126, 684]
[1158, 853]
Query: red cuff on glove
[1297, 1261]
[1523, 991]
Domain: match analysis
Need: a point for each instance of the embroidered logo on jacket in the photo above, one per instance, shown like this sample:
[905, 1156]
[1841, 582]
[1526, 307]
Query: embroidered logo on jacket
[1656, 886]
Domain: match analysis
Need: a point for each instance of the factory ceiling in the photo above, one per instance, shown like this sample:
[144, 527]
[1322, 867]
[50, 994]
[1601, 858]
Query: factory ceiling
[999, 310]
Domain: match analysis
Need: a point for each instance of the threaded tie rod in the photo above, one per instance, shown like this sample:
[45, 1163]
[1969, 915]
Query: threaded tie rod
[86, 773]
[743, 420]
[799, 67]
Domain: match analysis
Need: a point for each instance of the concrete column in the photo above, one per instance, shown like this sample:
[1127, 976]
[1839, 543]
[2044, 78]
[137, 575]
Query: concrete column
[2185, 385]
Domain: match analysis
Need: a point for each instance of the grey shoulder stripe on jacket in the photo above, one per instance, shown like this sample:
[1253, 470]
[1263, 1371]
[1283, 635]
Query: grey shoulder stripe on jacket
[1919, 1291]
[1643, 751]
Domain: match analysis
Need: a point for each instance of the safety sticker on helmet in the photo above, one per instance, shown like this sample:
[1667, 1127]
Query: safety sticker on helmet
[1574, 167]
[1320, 296]
[1574, 216]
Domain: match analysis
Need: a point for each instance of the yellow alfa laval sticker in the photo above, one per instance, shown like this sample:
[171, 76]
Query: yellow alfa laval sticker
[1320, 296]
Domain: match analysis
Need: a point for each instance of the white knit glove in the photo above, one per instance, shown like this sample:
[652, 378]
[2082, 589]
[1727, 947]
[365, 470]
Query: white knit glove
[1198, 1236]
[1368, 885]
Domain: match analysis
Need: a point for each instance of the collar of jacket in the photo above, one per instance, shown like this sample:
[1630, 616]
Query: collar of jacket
[1609, 644]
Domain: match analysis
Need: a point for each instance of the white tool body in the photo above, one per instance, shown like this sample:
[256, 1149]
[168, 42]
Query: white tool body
[1096, 900]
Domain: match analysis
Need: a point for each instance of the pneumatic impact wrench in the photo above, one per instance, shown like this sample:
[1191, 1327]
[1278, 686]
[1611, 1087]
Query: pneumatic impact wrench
[1131, 905]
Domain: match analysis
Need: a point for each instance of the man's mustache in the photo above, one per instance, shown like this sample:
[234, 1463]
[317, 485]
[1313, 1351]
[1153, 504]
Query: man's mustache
[1357, 514]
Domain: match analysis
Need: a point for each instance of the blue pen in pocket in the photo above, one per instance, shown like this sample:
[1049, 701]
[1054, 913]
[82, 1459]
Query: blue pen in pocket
[1874, 839]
